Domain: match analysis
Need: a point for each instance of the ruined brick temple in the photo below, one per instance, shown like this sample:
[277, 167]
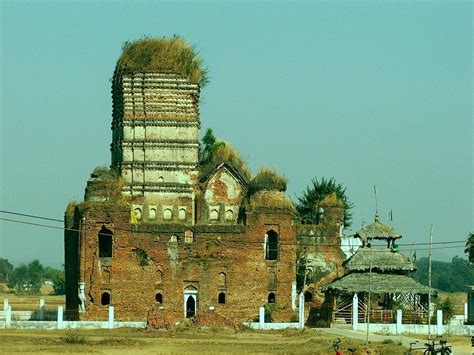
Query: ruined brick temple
[164, 235]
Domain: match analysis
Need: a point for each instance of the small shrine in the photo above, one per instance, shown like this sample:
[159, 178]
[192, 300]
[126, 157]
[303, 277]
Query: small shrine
[377, 279]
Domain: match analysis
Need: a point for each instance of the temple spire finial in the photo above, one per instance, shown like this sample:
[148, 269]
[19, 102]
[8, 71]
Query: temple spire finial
[377, 217]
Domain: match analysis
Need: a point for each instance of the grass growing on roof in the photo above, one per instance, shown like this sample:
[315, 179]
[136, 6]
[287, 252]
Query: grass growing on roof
[173, 55]
[267, 179]
[213, 151]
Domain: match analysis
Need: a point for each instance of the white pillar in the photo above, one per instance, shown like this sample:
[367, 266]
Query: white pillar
[261, 317]
[293, 296]
[465, 312]
[8, 316]
[301, 311]
[399, 328]
[41, 309]
[60, 317]
[111, 317]
[355, 311]
[439, 325]
[5, 304]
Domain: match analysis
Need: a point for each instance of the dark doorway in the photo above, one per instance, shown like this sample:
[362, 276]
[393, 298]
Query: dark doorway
[221, 298]
[271, 297]
[190, 307]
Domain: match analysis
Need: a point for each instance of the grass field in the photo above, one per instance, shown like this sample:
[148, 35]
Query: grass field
[188, 340]
[31, 302]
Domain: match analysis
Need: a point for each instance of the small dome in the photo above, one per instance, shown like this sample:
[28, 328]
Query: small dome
[103, 185]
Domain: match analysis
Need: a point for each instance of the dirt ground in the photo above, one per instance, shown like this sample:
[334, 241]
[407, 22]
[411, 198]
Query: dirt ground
[126, 341]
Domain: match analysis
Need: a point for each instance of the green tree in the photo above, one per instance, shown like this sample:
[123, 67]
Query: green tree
[208, 146]
[470, 247]
[19, 278]
[315, 193]
[35, 275]
[59, 283]
[446, 276]
[5, 270]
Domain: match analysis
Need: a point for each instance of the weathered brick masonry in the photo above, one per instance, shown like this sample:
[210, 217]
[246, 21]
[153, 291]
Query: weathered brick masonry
[163, 238]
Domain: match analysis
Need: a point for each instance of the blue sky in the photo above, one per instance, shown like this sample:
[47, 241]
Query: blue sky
[366, 92]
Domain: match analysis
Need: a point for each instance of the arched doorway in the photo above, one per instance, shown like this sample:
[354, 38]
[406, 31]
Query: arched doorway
[190, 301]
[190, 307]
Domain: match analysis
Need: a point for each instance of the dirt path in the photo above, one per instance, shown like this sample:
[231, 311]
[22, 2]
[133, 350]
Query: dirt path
[460, 346]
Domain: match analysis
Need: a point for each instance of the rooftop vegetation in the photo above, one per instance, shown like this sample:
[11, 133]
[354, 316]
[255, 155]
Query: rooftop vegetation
[173, 55]
[214, 151]
[316, 192]
[267, 179]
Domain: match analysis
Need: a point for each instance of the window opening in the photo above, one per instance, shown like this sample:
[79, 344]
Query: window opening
[105, 242]
[214, 215]
[271, 297]
[105, 299]
[271, 247]
[222, 281]
[221, 298]
[159, 298]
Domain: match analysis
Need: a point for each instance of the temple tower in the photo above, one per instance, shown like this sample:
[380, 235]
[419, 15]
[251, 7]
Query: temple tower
[156, 130]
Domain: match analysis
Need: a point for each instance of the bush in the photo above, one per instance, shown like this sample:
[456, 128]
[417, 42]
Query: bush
[73, 337]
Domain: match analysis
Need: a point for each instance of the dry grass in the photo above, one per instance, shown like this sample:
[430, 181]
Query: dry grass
[31, 302]
[186, 341]
[174, 55]
[267, 179]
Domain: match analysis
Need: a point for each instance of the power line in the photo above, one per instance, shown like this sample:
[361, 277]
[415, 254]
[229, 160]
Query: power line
[153, 232]
[242, 241]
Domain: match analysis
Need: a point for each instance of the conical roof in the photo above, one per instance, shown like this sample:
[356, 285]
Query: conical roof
[378, 259]
[378, 231]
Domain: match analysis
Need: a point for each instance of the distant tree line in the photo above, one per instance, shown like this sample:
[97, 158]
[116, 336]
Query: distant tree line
[446, 276]
[28, 278]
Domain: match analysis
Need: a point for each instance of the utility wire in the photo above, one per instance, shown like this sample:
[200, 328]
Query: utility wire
[153, 232]
[245, 241]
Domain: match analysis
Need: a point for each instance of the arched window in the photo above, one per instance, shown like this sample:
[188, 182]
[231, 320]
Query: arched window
[182, 214]
[105, 242]
[105, 299]
[159, 276]
[271, 245]
[229, 215]
[271, 297]
[138, 214]
[167, 213]
[308, 296]
[152, 213]
[214, 215]
[159, 298]
[222, 280]
[221, 298]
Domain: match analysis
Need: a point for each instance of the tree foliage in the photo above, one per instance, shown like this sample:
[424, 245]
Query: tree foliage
[470, 247]
[445, 276]
[29, 278]
[307, 204]
[5, 270]
[212, 150]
